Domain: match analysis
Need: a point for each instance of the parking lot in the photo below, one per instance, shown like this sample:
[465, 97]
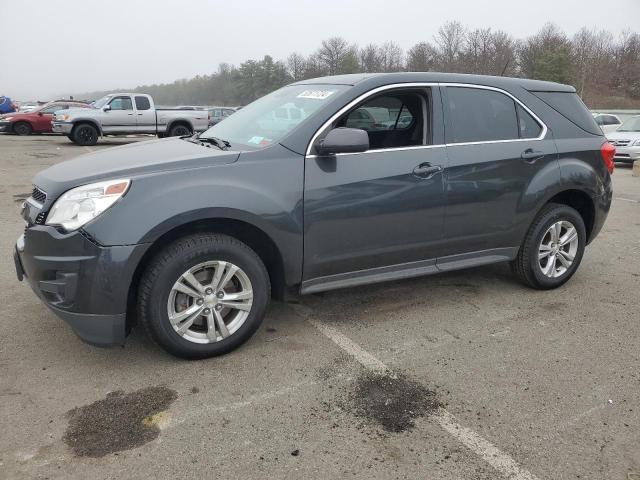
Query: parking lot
[461, 375]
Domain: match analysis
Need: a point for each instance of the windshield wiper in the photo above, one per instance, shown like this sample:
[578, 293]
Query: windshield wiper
[218, 142]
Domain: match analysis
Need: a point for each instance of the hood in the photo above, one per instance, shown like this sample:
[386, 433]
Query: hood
[85, 112]
[618, 135]
[129, 161]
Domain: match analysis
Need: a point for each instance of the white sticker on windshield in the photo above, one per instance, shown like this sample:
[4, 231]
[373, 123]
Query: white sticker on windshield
[316, 94]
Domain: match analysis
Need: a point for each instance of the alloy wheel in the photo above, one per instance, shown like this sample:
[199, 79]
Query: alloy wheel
[210, 302]
[558, 249]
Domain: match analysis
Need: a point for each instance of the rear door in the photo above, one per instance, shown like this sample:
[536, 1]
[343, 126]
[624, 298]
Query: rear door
[383, 207]
[121, 116]
[145, 115]
[496, 148]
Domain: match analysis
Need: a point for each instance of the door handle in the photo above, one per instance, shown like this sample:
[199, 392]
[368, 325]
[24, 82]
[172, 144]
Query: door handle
[530, 155]
[426, 170]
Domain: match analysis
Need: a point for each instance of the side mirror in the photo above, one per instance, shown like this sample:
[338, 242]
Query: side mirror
[40, 114]
[344, 140]
[106, 108]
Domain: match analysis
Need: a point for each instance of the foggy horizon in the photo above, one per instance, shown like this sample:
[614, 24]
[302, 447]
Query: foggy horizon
[134, 43]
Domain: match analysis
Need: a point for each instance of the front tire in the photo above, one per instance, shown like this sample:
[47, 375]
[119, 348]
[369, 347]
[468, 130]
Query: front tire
[22, 128]
[85, 135]
[203, 295]
[552, 249]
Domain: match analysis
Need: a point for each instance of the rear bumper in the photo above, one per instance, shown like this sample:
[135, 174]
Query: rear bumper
[627, 154]
[84, 284]
[61, 127]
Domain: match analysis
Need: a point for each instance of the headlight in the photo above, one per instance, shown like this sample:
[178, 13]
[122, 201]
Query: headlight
[6, 119]
[81, 205]
[61, 118]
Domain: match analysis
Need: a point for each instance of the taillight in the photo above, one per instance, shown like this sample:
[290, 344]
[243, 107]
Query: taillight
[608, 151]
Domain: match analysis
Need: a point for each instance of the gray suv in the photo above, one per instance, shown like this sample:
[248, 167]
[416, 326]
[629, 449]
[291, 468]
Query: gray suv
[190, 237]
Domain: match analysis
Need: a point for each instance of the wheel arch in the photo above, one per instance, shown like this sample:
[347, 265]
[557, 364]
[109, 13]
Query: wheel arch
[582, 202]
[22, 120]
[253, 236]
[94, 123]
[179, 121]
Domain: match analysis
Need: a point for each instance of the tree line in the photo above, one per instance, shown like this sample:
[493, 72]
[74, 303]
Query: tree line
[605, 69]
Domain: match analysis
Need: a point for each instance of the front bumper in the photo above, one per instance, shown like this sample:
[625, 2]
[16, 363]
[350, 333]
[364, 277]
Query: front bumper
[62, 127]
[627, 154]
[5, 126]
[85, 284]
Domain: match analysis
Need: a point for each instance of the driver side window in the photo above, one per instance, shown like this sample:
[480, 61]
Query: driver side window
[121, 103]
[392, 120]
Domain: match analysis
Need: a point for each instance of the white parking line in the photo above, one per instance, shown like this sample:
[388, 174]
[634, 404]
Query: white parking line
[491, 454]
[627, 199]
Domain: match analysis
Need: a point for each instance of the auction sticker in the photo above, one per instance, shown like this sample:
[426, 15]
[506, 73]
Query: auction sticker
[316, 94]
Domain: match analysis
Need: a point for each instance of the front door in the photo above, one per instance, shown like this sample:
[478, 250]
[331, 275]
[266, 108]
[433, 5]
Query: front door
[121, 116]
[383, 207]
[496, 149]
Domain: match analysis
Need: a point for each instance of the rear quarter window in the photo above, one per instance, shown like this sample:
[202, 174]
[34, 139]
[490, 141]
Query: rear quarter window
[571, 107]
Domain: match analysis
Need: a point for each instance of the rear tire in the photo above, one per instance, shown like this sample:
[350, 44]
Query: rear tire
[179, 130]
[552, 249]
[22, 128]
[85, 135]
[165, 306]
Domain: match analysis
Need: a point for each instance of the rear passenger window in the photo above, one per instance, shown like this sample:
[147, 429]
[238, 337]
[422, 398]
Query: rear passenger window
[529, 128]
[479, 115]
[142, 103]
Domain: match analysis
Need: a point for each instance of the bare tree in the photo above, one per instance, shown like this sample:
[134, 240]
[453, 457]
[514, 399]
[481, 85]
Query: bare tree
[370, 59]
[450, 41]
[332, 52]
[421, 57]
[391, 57]
[593, 55]
[296, 66]
[487, 52]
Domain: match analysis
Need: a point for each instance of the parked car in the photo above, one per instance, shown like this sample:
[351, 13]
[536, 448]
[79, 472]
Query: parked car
[37, 120]
[626, 139]
[192, 236]
[608, 122]
[217, 114]
[127, 113]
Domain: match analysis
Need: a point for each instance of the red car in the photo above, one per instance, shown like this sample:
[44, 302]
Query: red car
[35, 121]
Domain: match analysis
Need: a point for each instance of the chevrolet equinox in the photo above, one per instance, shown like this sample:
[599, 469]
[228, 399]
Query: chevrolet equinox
[323, 184]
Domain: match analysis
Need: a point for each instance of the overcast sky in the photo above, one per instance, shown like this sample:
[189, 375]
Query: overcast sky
[55, 47]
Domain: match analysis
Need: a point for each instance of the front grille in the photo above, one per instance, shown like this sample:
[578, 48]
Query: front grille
[38, 195]
[620, 143]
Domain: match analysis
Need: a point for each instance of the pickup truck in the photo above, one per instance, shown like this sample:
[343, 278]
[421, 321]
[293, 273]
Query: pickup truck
[124, 114]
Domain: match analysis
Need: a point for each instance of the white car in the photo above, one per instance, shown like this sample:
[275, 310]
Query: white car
[626, 139]
[607, 121]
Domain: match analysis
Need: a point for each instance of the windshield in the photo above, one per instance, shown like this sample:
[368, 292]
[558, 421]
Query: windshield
[631, 125]
[271, 117]
[101, 102]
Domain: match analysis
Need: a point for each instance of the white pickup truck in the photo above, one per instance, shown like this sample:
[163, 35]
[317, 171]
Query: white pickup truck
[125, 114]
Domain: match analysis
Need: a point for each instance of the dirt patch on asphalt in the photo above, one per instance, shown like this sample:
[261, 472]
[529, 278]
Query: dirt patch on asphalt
[391, 402]
[120, 421]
